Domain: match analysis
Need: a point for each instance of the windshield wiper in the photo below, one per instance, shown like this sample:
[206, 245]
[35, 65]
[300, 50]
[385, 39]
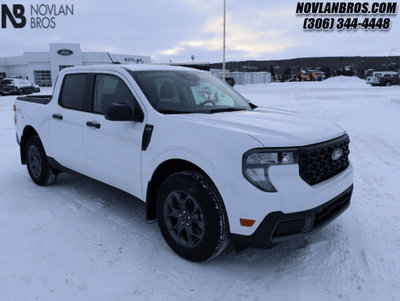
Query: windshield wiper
[203, 111]
[226, 109]
[175, 112]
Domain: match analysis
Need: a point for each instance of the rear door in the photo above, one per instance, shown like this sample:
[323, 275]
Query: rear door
[112, 149]
[65, 125]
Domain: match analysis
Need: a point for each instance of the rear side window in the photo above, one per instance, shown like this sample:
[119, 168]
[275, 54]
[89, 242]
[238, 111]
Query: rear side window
[73, 90]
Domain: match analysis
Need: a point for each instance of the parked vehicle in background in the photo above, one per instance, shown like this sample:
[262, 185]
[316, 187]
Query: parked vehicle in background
[383, 78]
[16, 86]
[368, 73]
[37, 88]
[311, 75]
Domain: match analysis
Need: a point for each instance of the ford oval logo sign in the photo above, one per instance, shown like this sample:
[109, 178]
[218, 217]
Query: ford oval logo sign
[337, 154]
[65, 52]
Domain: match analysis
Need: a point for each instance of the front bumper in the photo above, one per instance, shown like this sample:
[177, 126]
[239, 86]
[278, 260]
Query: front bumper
[10, 92]
[374, 82]
[277, 227]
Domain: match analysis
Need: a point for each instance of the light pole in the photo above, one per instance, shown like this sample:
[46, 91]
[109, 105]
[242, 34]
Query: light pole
[393, 50]
[223, 56]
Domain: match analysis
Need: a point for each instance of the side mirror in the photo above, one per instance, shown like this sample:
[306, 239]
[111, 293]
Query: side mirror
[121, 112]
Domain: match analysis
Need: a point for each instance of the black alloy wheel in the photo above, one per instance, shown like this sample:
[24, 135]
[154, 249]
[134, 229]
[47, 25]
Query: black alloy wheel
[36, 160]
[191, 216]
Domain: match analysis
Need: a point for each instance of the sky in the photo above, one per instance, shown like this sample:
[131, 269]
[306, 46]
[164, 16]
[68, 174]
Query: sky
[175, 30]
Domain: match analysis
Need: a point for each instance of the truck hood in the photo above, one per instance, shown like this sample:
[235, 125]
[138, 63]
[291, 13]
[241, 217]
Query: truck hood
[272, 128]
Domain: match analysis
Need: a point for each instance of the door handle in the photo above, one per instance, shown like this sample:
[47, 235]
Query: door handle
[57, 116]
[93, 124]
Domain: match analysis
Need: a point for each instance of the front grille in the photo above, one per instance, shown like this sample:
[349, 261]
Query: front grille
[315, 161]
[333, 208]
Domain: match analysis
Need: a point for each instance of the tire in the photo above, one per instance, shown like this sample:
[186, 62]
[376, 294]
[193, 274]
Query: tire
[388, 83]
[38, 166]
[21, 92]
[191, 216]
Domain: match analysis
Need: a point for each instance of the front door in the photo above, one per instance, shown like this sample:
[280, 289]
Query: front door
[112, 149]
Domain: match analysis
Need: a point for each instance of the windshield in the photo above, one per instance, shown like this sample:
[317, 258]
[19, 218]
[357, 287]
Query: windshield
[7, 82]
[174, 92]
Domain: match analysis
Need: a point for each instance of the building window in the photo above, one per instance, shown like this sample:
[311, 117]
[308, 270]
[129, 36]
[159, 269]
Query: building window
[42, 78]
[61, 67]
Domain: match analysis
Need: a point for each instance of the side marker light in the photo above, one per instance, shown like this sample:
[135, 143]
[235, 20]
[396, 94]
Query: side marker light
[247, 222]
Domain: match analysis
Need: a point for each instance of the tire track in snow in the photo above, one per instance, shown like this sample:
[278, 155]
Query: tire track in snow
[110, 205]
[13, 164]
[96, 205]
[376, 204]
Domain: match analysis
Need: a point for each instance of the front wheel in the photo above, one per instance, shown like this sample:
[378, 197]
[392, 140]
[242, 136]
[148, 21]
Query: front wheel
[36, 160]
[192, 217]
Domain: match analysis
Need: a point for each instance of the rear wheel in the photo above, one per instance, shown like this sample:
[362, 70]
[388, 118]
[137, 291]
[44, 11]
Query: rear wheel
[388, 83]
[191, 216]
[38, 166]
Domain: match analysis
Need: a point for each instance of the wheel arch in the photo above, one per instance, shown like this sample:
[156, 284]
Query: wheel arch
[28, 132]
[163, 171]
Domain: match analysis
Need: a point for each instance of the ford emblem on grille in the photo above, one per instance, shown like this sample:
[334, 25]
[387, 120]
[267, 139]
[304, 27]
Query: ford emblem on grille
[337, 154]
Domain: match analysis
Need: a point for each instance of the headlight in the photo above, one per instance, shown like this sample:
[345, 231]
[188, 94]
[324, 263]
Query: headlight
[257, 162]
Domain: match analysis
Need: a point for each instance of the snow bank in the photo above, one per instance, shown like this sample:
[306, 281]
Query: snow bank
[344, 80]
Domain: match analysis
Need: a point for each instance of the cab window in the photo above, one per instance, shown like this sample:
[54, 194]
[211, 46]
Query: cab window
[110, 89]
[73, 91]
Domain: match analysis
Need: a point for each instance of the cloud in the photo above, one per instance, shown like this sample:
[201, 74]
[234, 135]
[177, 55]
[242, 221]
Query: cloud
[252, 34]
[176, 29]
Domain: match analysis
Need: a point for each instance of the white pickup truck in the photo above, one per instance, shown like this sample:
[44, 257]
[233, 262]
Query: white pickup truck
[384, 78]
[212, 167]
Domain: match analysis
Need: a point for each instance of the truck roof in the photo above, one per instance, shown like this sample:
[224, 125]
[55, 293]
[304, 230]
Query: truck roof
[386, 72]
[130, 67]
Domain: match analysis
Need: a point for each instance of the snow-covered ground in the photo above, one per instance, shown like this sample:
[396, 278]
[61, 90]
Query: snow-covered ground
[80, 240]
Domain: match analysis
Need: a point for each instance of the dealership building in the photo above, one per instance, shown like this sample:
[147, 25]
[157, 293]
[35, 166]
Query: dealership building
[42, 68]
